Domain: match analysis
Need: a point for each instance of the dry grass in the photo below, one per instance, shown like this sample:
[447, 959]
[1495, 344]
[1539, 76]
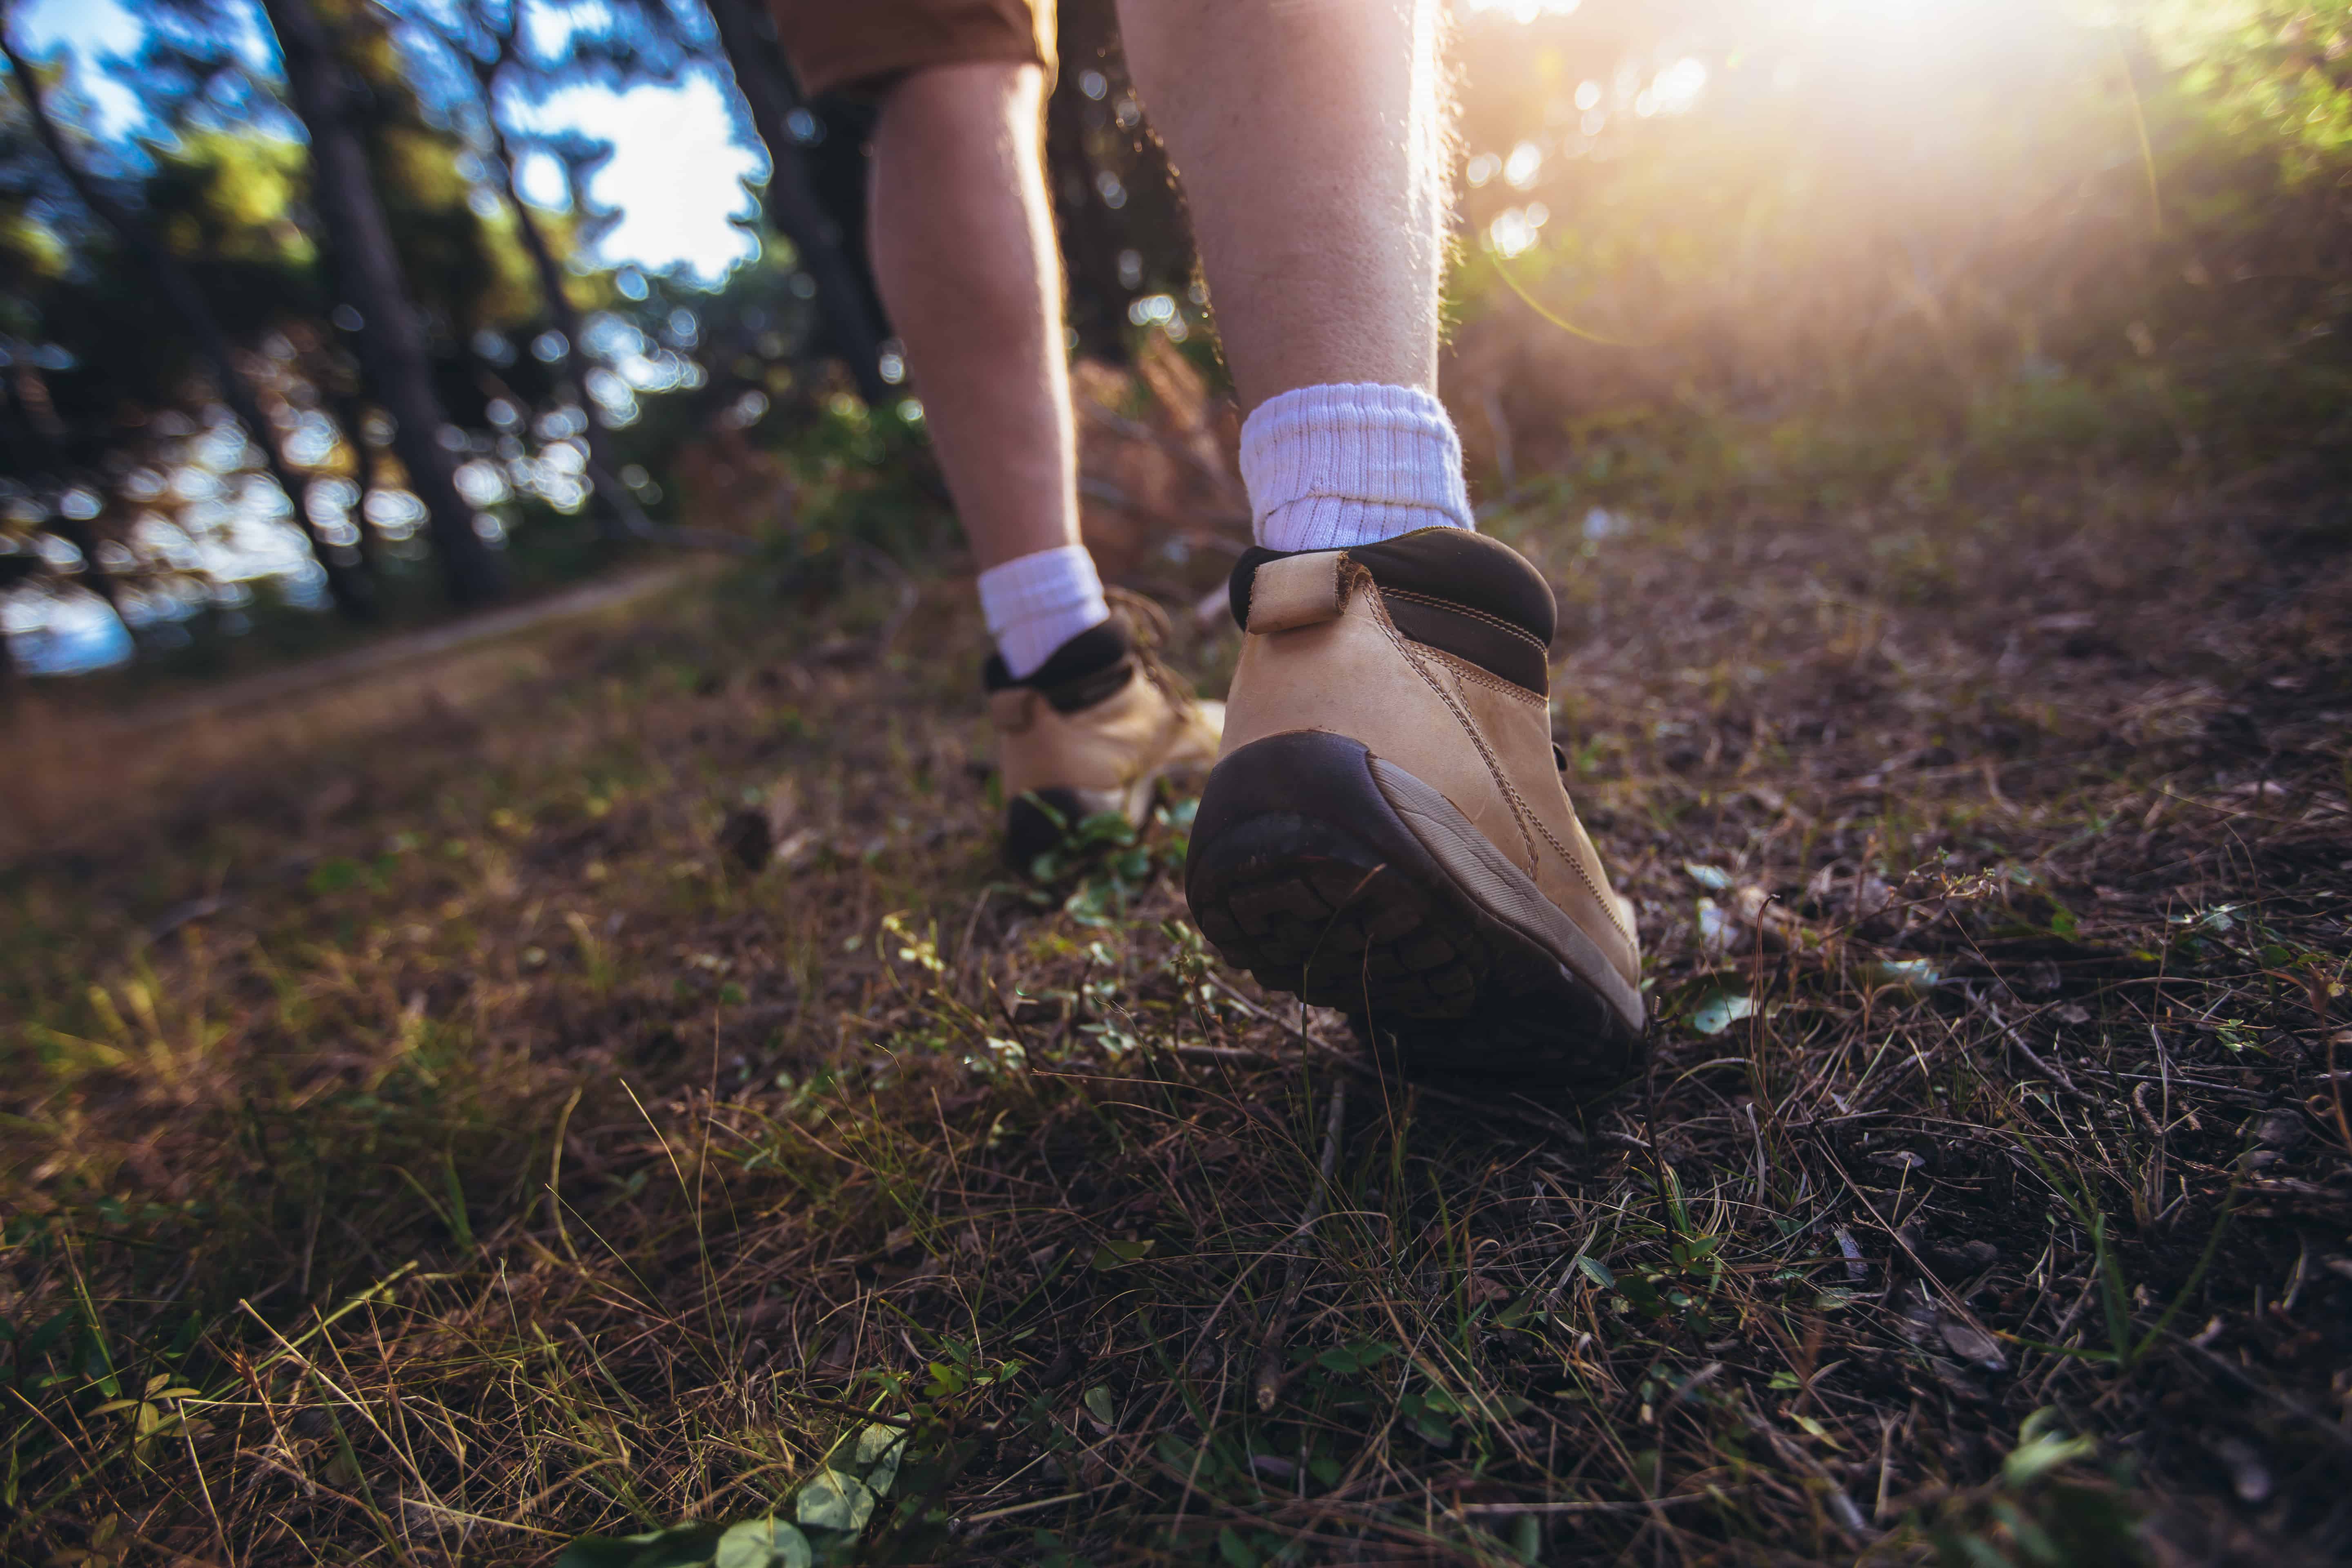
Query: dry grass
[437, 1149]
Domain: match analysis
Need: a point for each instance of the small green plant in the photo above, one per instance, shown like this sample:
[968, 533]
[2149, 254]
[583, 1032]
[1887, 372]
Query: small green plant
[2042, 1510]
[1110, 860]
[830, 1510]
[2123, 1349]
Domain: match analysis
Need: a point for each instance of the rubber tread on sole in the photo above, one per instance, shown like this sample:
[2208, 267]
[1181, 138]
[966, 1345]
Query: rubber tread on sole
[1304, 870]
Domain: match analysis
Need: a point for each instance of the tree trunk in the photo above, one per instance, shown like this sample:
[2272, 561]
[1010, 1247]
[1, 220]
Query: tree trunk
[392, 340]
[793, 206]
[351, 412]
[621, 517]
[352, 592]
[27, 397]
[15, 567]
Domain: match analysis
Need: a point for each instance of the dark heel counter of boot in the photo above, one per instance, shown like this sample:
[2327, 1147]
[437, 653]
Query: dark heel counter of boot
[1037, 823]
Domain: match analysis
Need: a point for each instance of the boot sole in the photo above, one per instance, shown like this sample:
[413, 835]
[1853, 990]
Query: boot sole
[1340, 877]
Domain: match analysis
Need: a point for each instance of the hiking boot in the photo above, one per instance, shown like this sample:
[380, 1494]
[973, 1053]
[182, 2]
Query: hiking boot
[1388, 830]
[1093, 729]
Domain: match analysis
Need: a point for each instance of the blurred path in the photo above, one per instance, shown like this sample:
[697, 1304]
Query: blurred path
[77, 779]
[394, 653]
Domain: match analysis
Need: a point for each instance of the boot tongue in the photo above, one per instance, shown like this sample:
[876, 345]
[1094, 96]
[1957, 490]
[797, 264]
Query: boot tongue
[1078, 674]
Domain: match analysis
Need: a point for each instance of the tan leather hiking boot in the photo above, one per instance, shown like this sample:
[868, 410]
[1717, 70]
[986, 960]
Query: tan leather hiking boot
[1093, 729]
[1388, 830]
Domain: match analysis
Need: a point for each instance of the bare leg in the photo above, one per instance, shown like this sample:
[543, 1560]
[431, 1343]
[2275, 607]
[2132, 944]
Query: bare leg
[964, 252]
[1310, 140]
[1389, 787]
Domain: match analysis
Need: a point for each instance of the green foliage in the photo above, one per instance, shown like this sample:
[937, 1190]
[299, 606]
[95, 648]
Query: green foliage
[1105, 862]
[867, 485]
[2042, 1511]
[1996, 236]
[2269, 74]
[232, 197]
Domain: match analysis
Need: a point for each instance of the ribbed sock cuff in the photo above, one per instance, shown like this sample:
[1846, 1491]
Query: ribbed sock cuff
[1034, 604]
[1327, 467]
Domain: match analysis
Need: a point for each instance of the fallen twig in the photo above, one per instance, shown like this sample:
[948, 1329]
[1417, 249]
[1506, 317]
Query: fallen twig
[1638, 1505]
[2016, 1037]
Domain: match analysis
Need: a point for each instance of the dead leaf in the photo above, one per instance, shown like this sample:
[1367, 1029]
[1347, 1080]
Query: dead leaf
[1972, 1344]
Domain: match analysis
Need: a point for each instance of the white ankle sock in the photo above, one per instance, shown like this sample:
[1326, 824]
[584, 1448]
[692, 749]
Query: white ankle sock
[1327, 467]
[1034, 604]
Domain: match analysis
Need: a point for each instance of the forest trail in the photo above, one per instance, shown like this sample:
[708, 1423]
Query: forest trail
[654, 1067]
[398, 652]
[76, 765]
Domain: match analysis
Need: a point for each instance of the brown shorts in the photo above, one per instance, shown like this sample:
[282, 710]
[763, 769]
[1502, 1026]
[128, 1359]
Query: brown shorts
[863, 45]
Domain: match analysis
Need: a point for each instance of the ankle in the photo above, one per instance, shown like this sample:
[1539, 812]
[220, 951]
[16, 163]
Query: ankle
[1035, 603]
[1352, 463]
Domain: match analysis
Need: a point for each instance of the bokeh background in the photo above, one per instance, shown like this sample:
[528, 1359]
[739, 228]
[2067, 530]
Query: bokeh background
[1713, 253]
[515, 1027]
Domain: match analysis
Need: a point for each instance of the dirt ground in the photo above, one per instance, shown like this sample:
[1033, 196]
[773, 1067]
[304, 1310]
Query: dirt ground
[629, 1091]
